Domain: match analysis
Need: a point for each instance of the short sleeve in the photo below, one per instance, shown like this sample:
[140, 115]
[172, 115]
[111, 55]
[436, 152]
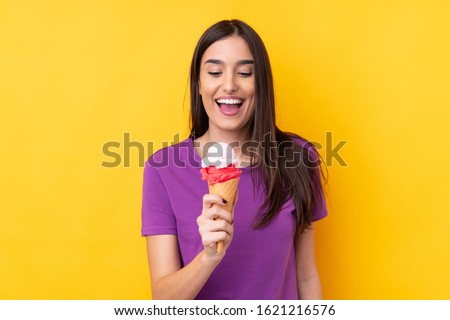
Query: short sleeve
[157, 214]
[319, 210]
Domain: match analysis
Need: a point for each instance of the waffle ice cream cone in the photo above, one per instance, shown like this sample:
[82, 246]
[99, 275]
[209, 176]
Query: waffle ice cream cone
[228, 191]
[222, 176]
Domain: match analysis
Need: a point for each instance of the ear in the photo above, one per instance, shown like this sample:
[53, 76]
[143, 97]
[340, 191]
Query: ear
[199, 88]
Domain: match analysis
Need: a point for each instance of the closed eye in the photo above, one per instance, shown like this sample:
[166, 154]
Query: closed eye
[245, 74]
[215, 74]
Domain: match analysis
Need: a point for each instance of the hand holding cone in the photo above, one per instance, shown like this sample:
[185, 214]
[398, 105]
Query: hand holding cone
[222, 176]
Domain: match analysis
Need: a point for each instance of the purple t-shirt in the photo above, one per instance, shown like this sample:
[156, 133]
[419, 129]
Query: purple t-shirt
[259, 264]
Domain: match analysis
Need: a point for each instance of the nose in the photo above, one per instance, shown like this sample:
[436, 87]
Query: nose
[230, 84]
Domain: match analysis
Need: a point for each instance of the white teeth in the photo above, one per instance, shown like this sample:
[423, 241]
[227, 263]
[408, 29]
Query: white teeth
[229, 101]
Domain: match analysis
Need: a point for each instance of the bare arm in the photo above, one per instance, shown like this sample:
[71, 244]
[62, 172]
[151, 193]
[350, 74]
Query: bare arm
[169, 280]
[308, 281]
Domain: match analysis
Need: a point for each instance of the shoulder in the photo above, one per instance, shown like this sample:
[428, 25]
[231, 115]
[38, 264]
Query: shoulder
[170, 155]
[298, 148]
[299, 142]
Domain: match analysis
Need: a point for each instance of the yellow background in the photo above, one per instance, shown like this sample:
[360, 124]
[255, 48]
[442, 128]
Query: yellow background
[77, 74]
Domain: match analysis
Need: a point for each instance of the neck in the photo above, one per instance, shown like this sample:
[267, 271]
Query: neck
[227, 137]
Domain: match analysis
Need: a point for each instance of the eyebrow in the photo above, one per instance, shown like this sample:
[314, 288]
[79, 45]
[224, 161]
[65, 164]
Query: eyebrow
[217, 61]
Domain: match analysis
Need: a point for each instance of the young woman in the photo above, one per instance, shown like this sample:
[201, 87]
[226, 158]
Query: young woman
[268, 250]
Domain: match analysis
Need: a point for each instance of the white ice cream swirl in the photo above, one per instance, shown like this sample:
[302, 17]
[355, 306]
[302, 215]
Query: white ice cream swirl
[219, 155]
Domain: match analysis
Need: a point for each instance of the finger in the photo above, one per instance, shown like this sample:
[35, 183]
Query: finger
[209, 216]
[214, 237]
[213, 226]
[210, 199]
[218, 213]
[220, 226]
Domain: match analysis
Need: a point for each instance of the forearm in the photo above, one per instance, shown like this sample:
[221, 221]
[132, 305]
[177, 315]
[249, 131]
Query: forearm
[187, 282]
[310, 288]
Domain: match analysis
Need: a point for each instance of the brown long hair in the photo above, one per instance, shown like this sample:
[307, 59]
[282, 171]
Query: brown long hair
[287, 169]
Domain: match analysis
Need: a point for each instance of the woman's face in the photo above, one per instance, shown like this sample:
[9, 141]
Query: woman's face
[227, 85]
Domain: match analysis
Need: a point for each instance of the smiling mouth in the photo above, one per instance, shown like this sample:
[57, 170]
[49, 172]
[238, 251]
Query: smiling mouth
[229, 107]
